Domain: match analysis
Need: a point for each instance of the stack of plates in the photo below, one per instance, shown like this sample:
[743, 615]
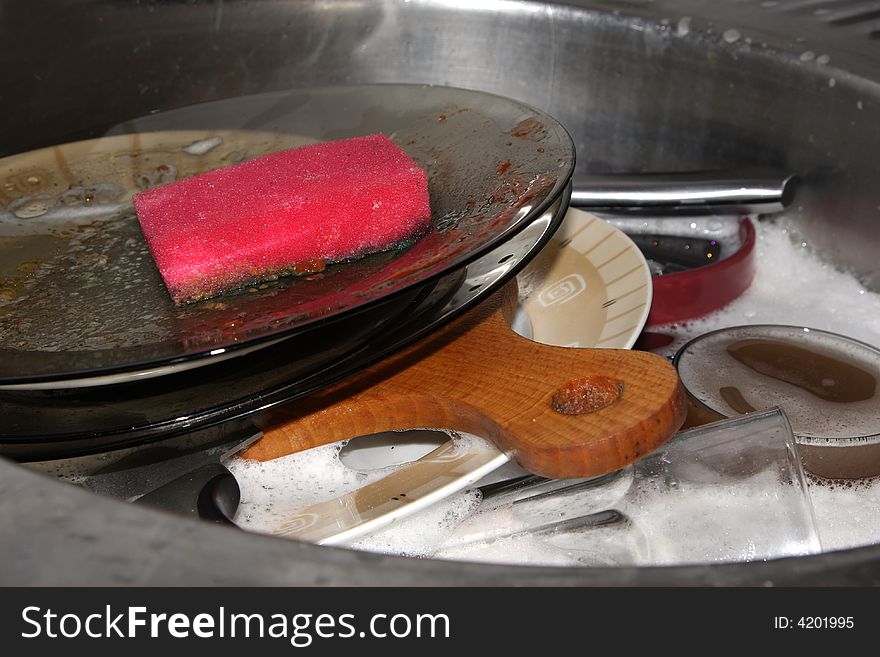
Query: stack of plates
[93, 354]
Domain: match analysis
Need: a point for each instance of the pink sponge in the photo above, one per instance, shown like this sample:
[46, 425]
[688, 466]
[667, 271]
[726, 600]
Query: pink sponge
[288, 212]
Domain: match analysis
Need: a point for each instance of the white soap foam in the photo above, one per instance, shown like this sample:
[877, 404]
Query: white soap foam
[792, 286]
[847, 512]
[515, 550]
[272, 490]
[502, 532]
[419, 536]
[653, 537]
[203, 146]
[652, 523]
[745, 520]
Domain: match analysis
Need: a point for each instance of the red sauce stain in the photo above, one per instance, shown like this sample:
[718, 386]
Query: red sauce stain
[502, 168]
[530, 128]
[310, 266]
[460, 110]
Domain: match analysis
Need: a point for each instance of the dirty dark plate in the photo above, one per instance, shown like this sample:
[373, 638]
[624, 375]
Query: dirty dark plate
[47, 424]
[81, 299]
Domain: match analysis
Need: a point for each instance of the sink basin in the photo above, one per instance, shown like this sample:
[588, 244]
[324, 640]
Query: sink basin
[642, 86]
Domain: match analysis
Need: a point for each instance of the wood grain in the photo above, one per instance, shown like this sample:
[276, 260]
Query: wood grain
[478, 376]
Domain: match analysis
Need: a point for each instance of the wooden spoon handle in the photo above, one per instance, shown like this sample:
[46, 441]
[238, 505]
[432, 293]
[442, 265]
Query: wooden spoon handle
[558, 412]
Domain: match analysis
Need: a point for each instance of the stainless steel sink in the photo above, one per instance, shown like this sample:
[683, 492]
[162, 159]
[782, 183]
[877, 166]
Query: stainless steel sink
[642, 85]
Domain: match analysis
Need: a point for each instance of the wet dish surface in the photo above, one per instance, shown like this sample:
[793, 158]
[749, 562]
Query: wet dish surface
[825, 382]
[81, 296]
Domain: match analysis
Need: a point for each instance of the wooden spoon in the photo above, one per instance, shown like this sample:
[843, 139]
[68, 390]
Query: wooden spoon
[559, 412]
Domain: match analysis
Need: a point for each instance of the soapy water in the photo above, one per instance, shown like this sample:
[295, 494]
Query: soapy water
[615, 522]
[653, 525]
[847, 511]
[464, 527]
[271, 490]
[792, 286]
[733, 369]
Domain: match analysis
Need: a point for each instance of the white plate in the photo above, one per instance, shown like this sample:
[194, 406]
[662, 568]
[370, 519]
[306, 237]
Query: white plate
[408, 489]
[590, 287]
